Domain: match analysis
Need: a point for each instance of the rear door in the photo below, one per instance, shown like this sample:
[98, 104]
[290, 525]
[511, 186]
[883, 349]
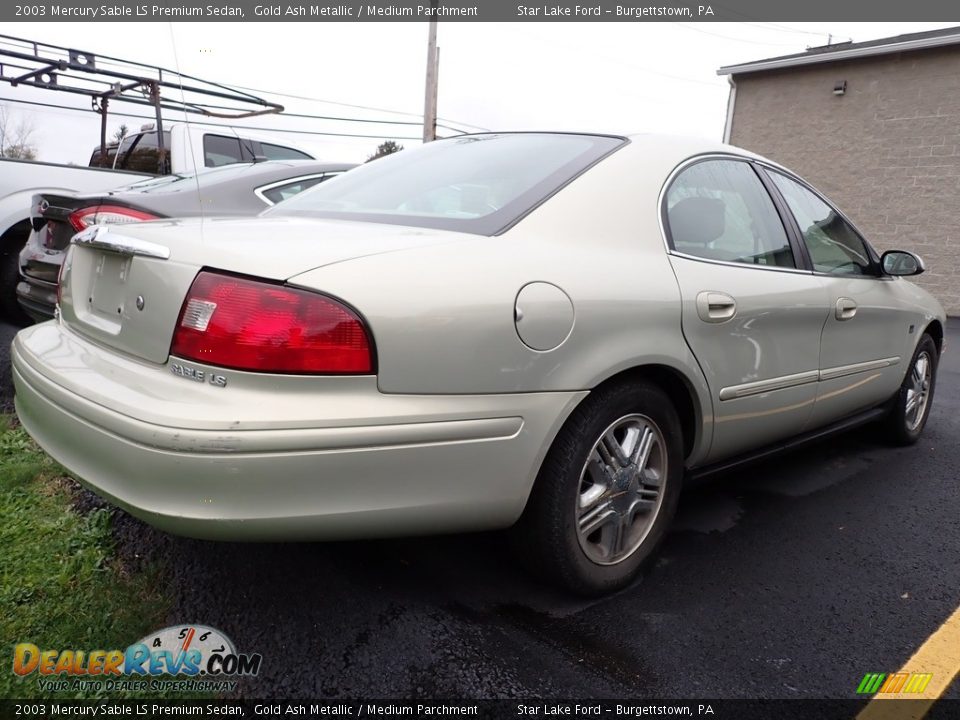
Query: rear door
[869, 333]
[751, 315]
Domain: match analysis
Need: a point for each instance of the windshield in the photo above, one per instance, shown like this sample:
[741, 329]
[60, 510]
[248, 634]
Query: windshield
[477, 183]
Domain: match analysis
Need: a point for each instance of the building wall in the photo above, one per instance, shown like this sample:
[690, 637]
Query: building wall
[887, 152]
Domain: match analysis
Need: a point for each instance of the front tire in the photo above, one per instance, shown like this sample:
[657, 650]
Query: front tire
[912, 403]
[607, 490]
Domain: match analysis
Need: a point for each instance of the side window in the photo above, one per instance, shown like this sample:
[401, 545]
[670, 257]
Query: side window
[279, 193]
[221, 150]
[719, 210]
[833, 245]
[141, 152]
[279, 152]
[97, 161]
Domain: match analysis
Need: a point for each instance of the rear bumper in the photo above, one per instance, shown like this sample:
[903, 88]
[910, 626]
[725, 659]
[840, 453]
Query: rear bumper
[329, 458]
[37, 299]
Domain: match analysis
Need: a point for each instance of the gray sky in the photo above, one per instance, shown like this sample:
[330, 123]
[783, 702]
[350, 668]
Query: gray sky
[623, 77]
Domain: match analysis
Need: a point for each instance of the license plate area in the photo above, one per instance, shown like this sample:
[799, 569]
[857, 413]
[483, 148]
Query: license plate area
[109, 285]
[103, 306]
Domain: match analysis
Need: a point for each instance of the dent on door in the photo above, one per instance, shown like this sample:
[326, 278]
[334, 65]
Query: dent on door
[757, 339]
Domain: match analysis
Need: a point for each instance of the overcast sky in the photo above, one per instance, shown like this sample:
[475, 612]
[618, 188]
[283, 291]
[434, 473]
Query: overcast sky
[623, 77]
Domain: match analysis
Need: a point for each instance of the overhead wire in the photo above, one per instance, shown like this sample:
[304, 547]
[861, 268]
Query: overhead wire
[221, 125]
[445, 123]
[732, 37]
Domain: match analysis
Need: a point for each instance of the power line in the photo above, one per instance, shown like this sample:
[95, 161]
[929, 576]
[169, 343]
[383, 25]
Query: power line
[360, 107]
[620, 61]
[731, 37]
[220, 125]
[115, 62]
[784, 28]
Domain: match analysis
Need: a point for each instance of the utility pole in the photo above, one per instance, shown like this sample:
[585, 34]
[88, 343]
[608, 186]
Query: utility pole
[430, 95]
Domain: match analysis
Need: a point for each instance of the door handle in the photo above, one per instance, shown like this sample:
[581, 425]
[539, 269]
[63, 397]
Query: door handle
[846, 308]
[715, 307]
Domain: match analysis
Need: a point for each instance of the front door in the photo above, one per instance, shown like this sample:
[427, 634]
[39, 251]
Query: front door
[866, 341]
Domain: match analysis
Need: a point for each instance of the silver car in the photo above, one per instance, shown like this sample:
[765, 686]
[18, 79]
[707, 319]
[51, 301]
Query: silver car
[542, 329]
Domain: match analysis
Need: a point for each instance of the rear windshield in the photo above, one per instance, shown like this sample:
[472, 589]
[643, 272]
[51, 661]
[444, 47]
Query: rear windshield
[478, 184]
[175, 182]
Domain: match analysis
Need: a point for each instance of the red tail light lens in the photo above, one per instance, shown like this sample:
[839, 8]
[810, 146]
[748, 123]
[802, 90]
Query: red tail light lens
[246, 324]
[106, 215]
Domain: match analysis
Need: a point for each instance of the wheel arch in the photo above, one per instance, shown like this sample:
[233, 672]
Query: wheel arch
[692, 407]
[18, 231]
[935, 330]
[678, 388]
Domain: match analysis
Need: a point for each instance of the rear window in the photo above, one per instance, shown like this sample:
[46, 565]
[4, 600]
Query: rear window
[478, 184]
[223, 150]
[279, 193]
[175, 183]
[141, 152]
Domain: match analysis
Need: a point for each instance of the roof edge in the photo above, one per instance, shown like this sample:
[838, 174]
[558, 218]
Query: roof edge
[839, 55]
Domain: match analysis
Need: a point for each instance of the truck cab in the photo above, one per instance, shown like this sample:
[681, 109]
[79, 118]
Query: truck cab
[186, 147]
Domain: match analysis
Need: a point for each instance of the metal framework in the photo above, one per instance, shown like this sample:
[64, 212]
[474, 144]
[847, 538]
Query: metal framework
[103, 78]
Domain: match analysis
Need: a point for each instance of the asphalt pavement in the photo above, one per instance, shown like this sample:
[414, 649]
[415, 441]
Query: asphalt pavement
[789, 579]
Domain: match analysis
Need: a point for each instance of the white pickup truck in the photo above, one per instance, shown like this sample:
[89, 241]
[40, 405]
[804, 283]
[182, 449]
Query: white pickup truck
[185, 147]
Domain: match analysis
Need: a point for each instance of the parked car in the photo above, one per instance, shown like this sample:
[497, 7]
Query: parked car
[229, 190]
[138, 155]
[535, 328]
[19, 181]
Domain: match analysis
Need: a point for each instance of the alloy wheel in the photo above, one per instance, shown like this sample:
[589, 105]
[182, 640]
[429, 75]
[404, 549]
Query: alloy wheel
[918, 391]
[621, 489]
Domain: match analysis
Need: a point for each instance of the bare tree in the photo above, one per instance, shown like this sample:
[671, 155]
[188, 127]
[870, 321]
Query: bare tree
[120, 132]
[16, 136]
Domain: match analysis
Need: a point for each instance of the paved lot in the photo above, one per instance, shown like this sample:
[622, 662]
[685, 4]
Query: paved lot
[789, 579]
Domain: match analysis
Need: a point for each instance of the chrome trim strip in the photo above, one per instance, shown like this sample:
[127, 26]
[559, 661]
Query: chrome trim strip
[844, 370]
[762, 386]
[100, 237]
[775, 268]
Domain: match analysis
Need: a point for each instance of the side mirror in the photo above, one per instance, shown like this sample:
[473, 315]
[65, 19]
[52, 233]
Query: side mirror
[901, 263]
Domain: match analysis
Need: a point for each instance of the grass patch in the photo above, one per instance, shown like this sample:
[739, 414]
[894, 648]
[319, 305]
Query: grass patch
[60, 587]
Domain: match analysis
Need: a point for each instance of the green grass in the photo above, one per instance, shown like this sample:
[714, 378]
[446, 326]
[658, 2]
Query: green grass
[60, 586]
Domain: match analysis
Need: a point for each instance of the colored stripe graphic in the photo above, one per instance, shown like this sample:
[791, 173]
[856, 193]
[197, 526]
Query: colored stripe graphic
[900, 682]
[871, 683]
[894, 683]
[918, 682]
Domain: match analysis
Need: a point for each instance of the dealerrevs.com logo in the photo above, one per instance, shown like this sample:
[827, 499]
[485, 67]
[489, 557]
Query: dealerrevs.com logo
[199, 657]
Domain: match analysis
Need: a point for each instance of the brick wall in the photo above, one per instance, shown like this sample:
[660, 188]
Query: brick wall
[887, 152]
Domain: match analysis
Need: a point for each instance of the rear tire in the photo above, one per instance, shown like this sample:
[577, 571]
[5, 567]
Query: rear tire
[912, 403]
[607, 490]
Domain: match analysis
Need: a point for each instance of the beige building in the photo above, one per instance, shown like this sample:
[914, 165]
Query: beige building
[875, 126]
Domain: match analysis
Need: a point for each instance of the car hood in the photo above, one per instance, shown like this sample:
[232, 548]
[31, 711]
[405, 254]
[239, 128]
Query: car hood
[278, 247]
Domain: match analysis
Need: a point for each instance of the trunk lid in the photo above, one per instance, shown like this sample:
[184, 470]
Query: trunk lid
[124, 286]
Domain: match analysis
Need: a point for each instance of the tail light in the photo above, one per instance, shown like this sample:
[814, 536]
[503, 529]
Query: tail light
[106, 215]
[247, 324]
